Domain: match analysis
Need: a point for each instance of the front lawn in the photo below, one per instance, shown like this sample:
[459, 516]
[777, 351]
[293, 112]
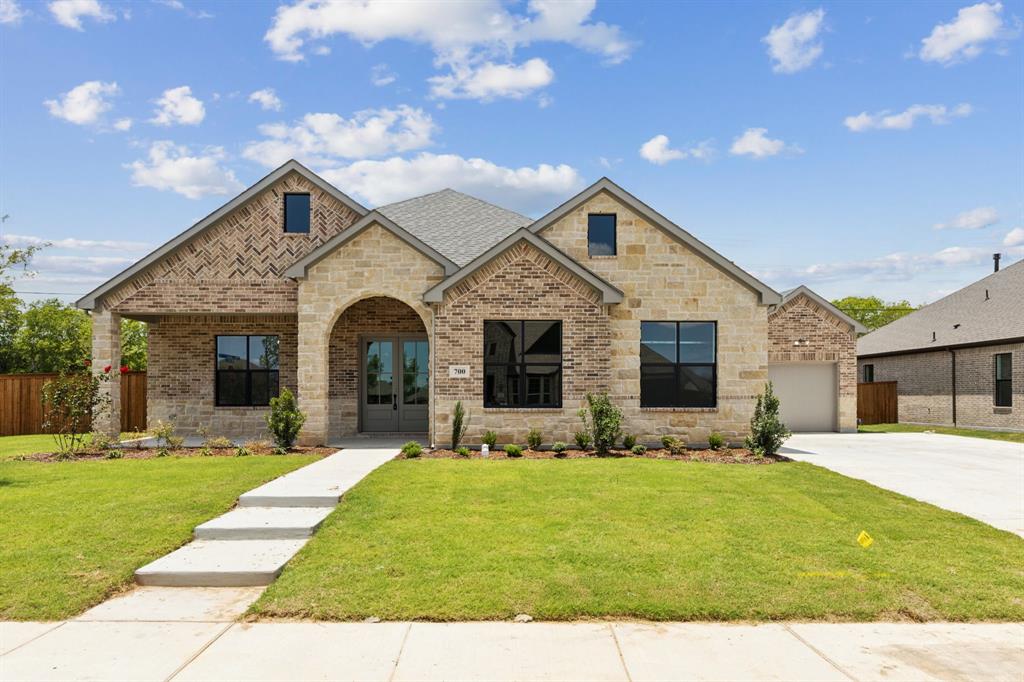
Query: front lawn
[440, 539]
[73, 532]
[950, 431]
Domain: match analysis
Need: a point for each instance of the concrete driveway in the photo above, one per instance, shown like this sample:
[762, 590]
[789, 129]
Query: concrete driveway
[976, 477]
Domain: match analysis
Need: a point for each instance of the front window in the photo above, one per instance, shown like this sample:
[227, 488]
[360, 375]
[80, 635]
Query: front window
[247, 370]
[601, 234]
[869, 373]
[296, 213]
[1004, 380]
[522, 363]
[678, 366]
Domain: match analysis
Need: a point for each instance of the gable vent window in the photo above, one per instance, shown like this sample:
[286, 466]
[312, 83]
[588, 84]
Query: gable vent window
[869, 374]
[1004, 380]
[601, 234]
[296, 213]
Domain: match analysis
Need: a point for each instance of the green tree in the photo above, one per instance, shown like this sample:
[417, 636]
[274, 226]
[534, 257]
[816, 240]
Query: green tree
[54, 337]
[10, 322]
[133, 344]
[873, 312]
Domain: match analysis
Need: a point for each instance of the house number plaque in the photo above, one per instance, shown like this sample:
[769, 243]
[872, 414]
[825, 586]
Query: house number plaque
[458, 371]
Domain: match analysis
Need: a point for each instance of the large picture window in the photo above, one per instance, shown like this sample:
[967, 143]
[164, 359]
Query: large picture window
[522, 363]
[1004, 380]
[247, 370]
[678, 365]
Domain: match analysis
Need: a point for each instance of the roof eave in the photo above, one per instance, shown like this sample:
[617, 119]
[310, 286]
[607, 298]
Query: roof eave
[824, 303]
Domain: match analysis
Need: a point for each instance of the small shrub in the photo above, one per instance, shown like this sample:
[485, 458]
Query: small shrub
[462, 451]
[673, 444]
[205, 451]
[218, 442]
[279, 451]
[162, 431]
[175, 442]
[716, 441]
[638, 449]
[603, 420]
[114, 454]
[513, 450]
[256, 445]
[68, 403]
[242, 451]
[460, 422]
[102, 441]
[285, 419]
[582, 439]
[412, 449]
[490, 439]
[534, 439]
[559, 449]
[628, 441]
[163, 452]
[767, 432]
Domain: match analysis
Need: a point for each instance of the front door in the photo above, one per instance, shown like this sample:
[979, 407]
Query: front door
[394, 384]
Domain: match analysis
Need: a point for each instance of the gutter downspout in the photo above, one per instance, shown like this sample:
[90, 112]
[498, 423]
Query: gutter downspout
[952, 355]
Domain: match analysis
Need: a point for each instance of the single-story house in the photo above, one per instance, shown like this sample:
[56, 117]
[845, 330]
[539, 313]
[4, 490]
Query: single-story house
[958, 361]
[380, 320]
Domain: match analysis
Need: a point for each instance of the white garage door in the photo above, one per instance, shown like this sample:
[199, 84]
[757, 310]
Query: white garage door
[807, 395]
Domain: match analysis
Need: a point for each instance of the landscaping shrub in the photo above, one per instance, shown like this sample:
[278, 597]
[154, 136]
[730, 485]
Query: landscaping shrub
[68, 402]
[513, 450]
[162, 431]
[460, 422]
[412, 450]
[218, 442]
[101, 441]
[285, 419]
[534, 439]
[716, 441]
[674, 444]
[242, 451]
[462, 451]
[582, 439]
[559, 448]
[638, 449]
[205, 451]
[175, 442]
[628, 441]
[114, 454]
[490, 439]
[163, 452]
[603, 420]
[767, 432]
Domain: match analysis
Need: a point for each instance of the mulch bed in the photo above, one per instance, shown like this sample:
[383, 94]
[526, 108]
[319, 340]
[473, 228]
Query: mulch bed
[129, 452]
[723, 456]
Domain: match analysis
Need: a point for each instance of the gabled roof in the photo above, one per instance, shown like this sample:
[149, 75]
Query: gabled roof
[456, 224]
[609, 294]
[88, 302]
[989, 311]
[788, 296]
[300, 267]
[768, 295]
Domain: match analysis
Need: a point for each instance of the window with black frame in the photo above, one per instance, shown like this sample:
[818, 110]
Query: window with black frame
[1004, 380]
[869, 374]
[522, 363]
[678, 365]
[247, 370]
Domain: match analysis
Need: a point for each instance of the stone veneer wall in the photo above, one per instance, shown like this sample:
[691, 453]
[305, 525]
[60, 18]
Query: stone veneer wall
[521, 283]
[181, 373]
[924, 391]
[376, 315]
[800, 330]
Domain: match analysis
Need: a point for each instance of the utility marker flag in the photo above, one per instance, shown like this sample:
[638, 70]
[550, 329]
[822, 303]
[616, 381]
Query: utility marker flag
[864, 539]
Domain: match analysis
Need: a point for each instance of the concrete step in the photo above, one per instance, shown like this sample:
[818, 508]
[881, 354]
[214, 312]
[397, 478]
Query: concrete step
[221, 563]
[264, 523]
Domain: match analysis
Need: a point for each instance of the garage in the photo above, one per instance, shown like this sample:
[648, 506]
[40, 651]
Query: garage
[807, 394]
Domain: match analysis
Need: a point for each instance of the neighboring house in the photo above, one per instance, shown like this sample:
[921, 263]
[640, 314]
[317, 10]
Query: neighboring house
[381, 320]
[958, 361]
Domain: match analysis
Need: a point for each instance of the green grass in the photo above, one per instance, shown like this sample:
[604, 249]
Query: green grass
[15, 446]
[917, 428]
[452, 540]
[72, 533]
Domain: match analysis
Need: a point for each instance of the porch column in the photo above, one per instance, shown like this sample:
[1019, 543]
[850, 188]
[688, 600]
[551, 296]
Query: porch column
[106, 350]
[312, 375]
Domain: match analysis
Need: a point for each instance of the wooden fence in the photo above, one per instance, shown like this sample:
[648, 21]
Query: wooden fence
[21, 405]
[876, 403]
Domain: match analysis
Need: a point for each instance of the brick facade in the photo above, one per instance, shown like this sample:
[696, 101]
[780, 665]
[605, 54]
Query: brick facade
[800, 330]
[924, 386]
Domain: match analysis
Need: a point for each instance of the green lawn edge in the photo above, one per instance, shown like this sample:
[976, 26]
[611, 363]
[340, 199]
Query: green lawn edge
[1009, 436]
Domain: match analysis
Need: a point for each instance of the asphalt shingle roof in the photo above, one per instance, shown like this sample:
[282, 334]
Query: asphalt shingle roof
[965, 316]
[457, 225]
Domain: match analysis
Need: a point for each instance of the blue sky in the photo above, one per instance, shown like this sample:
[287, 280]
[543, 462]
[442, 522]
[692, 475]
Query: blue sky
[860, 148]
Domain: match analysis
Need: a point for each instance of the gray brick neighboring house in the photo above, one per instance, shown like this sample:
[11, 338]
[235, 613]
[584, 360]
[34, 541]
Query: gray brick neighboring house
[958, 361]
[380, 320]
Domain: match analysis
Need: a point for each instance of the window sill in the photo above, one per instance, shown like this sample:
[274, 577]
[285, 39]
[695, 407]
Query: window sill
[1002, 409]
[534, 410]
[241, 407]
[679, 409]
[605, 257]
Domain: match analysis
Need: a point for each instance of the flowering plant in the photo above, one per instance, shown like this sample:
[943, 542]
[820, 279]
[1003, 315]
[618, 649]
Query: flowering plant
[69, 403]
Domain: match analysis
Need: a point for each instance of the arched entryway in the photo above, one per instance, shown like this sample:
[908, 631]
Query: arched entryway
[378, 370]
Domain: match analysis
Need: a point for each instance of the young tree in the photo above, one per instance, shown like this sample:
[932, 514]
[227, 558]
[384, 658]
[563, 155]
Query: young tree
[133, 344]
[873, 312]
[54, 337]
[10, 322]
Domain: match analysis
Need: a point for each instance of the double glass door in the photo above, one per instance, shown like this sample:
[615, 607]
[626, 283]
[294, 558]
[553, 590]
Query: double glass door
[394, 384]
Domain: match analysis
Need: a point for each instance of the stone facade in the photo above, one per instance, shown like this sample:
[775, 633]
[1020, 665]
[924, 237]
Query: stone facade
[924, 386]
[800, 330]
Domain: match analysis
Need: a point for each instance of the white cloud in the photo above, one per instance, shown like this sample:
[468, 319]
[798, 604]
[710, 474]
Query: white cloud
[489, 81]
[793, 46]
[893, 267]
[267, 99]
[71, 12]
[73, 244]
[657, 151]
[94, 265]
[320, 139]
[1014, 237]
[381, 75]
[123, 124]
[963, 38]
[975, 219]
[754, 142]
[172, 167]
[178, 106]
[84, 104]
[886, 120]
[526, 189]
[10, 12]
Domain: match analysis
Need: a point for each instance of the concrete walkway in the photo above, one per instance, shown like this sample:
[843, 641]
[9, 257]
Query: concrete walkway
[981, 478]
[115, 642]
